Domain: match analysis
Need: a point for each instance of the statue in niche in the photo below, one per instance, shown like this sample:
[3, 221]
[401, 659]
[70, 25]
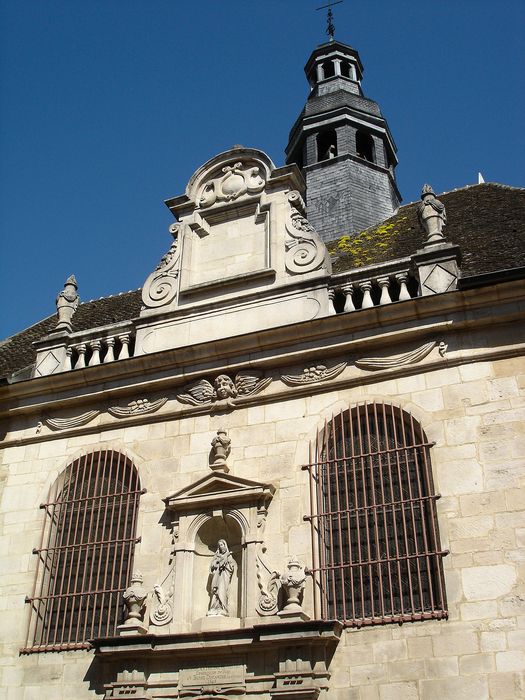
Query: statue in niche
[221, 571]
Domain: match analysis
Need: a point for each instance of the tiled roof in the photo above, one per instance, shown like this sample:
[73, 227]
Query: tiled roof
[487, 221]
[17, 352]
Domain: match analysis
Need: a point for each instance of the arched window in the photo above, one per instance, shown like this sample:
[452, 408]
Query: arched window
[326, 144]
[345, 69]
[86, 552]
[379, 557]
[328, 69]
[364, 146]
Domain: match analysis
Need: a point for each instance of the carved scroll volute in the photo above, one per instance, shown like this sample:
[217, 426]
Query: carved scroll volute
[305, 251]
[160, 289]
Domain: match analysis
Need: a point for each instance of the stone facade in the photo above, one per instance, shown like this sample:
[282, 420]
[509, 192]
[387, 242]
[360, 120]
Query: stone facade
[246, 347]
[470, 403]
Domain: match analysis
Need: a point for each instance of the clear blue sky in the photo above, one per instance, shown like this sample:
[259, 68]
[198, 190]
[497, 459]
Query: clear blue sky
[108, 106]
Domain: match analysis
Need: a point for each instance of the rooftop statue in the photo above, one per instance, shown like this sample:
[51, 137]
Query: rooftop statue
[432, 216]
[67, 302]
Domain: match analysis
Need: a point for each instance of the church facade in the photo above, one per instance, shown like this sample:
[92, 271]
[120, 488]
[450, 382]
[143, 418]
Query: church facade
[291, 465]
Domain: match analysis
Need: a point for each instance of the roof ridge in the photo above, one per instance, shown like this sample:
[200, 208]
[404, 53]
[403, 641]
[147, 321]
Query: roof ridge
[501, 185]
[110, 296]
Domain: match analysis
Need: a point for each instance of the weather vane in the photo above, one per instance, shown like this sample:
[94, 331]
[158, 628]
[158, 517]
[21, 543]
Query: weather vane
[330, 29]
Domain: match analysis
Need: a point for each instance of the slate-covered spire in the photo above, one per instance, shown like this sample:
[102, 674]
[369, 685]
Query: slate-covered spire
[344, 147]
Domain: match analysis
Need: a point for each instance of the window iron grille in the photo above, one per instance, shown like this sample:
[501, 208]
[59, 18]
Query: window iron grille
[375, 537]
[85, 554]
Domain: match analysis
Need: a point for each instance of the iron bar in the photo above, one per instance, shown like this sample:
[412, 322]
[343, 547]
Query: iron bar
[85, 553]
[377, 556]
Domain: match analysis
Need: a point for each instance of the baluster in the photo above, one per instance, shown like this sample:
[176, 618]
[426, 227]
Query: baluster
[402, 278]
[81, 362]
[95, 348]
[348, 290]
[366, 288]
[68, 363]
[384, 283]
[110, 352]
[124, 352]
[331, 307]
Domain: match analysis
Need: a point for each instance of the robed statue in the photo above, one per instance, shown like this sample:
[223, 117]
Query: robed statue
[221, 572]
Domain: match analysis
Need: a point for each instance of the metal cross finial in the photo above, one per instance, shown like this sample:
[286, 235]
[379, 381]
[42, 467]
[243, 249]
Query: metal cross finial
[330, 29]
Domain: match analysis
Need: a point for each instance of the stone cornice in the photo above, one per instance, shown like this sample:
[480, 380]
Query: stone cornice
[303, 633]
[339, 336]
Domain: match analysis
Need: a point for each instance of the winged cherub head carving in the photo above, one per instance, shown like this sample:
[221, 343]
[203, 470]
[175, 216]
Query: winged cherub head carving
[224, 388]
[224, 391]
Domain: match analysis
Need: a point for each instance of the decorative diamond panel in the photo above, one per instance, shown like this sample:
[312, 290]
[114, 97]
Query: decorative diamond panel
[47, 365]
[439, 280]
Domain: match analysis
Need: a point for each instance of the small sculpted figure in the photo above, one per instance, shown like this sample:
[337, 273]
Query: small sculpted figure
[221, 571]
[67, 302]
[221, 448]
[432, 215]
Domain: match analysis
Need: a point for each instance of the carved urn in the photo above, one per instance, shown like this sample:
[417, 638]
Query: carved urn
[221, 448]
[293, 583]
[134, 597]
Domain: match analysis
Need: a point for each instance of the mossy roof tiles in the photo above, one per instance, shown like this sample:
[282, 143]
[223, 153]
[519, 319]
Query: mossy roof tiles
[487, 221]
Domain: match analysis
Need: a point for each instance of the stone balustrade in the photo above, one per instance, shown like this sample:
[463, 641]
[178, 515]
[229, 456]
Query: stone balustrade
[63, 352]
[373, 286]
[91, 351]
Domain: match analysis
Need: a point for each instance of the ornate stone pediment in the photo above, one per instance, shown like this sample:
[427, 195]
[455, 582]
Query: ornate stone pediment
[241, 229]
[219, 489]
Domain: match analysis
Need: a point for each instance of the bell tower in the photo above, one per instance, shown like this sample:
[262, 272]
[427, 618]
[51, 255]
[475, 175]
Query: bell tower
[343, 146]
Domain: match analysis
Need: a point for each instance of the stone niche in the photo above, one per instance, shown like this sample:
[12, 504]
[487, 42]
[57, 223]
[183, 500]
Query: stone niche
[185, 652]
[244, 257]
[218, 507]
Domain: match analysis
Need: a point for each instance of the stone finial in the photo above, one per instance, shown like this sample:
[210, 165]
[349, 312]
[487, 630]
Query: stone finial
[432, 216]
[293, 582]
[67, 302]
[134, 597]
[220, 450]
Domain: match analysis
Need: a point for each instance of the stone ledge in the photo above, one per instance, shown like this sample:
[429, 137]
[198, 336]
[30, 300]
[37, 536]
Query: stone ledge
[253, 639]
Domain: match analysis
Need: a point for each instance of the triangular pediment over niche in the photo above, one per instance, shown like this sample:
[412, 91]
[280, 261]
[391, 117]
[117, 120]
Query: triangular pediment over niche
[219, 489]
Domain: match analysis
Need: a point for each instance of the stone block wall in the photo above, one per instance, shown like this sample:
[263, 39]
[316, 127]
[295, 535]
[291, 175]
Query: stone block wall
[475, 414]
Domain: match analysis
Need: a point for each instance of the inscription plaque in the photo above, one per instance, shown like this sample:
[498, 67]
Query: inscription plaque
[212, 675]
